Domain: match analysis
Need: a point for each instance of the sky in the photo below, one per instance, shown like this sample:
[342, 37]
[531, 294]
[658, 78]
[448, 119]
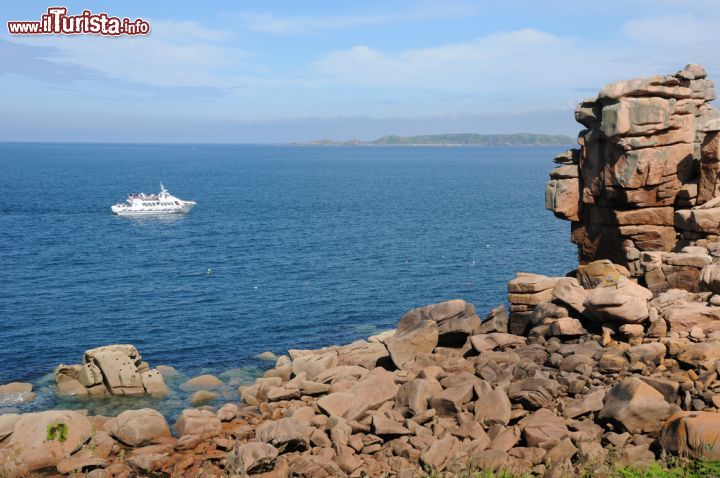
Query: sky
[285, 71]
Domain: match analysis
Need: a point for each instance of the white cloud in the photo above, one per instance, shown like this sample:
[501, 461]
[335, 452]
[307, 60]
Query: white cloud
[175, 54]
[508, 71]
[265, 22]
[494, 67]
[529, 68]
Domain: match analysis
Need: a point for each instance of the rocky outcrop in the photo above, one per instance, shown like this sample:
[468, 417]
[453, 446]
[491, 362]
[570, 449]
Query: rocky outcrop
[604, 366]
[593, 372]
[16, 392]
[644, 180]
[110, 370]
[619, 358]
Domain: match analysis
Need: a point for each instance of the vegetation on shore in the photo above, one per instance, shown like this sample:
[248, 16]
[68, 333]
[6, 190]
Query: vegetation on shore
[669, 467]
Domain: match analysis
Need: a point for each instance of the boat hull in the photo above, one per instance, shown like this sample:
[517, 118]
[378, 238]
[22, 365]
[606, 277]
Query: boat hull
[122, 210]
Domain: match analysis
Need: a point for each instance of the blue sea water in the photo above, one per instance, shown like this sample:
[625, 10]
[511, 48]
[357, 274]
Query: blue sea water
[308, 246]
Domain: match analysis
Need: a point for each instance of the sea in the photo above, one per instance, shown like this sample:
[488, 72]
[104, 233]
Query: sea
[288, 247]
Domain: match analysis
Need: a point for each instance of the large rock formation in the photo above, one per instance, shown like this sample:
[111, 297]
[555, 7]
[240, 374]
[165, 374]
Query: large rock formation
[643, 183]
[110, 370]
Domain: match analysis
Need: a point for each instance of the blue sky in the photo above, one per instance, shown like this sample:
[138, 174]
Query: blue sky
[280, 71]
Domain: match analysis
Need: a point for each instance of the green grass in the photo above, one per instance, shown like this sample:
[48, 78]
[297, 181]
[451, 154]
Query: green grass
[701, 468]
[671, 468]
[57, 431]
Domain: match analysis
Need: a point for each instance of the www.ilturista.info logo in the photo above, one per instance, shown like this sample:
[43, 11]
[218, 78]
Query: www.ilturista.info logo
[57, 22]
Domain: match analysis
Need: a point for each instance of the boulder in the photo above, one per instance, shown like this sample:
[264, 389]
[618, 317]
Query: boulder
[682, 316]
[534, 392]
[637, 406]
[313, 365]
[228, 412]
[315, 466]
[119, 367]
[67, 383]
[201, 382]
[368, 393]
[419, 338]
[569, 291]
[286, 434]
[694, 434]
[267, 355]
[548, 313]
[147, 463]
[453, 317]
[362, 353]
[496, 340]
[138, 427]
[78, 461]
[592, 402]
[256, 457]
[16, 392]
[699, 219]
[203, 396]
[41, 440]
[439, 453]
[652, 352]
[450, 401]
[385, 426]
[527, 283]
[567, 327]
[710, 278]
[544, 429]
[199, 422]
[626, 303]
[413, 396]
[110, 370]
[601, 273]
[492, 406]
[700, 354]
[495, 321]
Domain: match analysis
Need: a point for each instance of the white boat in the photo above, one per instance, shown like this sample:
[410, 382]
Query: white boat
[141, 204]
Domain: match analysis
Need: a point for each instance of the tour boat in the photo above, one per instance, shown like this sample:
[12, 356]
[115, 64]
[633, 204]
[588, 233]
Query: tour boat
[141, 204]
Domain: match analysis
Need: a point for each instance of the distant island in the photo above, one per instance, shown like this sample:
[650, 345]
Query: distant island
[461, 139]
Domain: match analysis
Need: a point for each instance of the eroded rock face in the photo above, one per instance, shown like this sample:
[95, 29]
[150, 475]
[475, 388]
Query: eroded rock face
[110, 370]
[645, 174]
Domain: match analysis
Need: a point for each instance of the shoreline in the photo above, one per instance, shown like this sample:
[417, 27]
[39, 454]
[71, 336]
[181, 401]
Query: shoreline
[612, 366]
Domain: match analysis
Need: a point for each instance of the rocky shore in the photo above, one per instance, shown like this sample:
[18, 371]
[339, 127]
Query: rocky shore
[615, 364]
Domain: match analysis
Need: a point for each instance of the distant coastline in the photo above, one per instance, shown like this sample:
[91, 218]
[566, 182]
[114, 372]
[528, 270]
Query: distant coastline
[458, 139]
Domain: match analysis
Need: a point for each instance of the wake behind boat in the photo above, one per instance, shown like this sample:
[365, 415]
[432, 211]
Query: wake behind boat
[142, 204]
